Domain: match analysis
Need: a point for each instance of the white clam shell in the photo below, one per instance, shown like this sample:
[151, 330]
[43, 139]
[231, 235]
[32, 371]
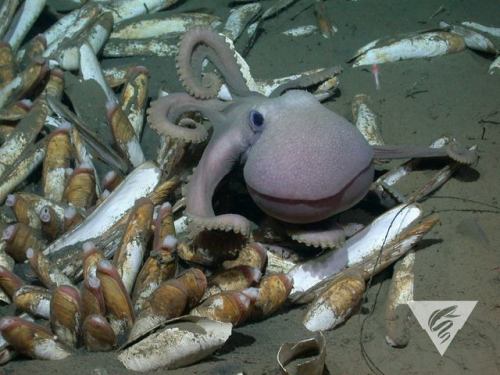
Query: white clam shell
[179, 342]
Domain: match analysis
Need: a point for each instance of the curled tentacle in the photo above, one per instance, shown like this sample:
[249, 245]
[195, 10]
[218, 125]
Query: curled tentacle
[166, 110]
[307, 80]
[202, 43]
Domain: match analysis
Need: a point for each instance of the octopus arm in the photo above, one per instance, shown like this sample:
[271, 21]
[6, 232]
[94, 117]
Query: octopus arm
[222, 153]
[165, 111]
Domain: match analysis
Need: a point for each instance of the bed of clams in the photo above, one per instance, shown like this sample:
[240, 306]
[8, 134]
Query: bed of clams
[94, 250]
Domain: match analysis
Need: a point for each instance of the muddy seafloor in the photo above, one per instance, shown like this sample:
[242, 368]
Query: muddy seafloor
[458, 260]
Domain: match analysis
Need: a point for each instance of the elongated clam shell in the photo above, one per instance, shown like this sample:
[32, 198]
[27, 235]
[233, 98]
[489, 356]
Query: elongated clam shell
[7, 90]
[236, 278]
[98, 335]
[366, 120]
[174, 344]
[9, 281]
[32, 339]
[418, 46]
[229, 307]
[495, 31]
[23, 135]
[124, 10]
[336, 303]
[27, 163]
[400, 293]
[57, 160]
[34, 300]
[69, 26]
[139, 183]
[19, 238]
[162, 24]
[92, 297]
[134, 96]
[473, 39]
[95, 35]
[23, 211]
[7, 64]
[48, 273]
[65, 314]
[381, 232]
[124, 134]
[301, 30]
[118, 305]
[90, 68]
[239, 18]
[160, 266]
[129, 256]
[166, 46]
[26, 17]
[168, 301]
[7, 10]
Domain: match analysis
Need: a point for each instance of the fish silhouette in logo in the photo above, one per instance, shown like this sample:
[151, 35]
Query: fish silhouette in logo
[440, 321]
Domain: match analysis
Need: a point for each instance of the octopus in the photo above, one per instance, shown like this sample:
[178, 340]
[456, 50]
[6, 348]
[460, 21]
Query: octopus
[302, 163]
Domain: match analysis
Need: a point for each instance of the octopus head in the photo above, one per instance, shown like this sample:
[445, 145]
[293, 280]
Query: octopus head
[304, 162]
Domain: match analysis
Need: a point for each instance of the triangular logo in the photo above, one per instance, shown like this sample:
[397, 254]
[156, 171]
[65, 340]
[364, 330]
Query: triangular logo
[442, 319]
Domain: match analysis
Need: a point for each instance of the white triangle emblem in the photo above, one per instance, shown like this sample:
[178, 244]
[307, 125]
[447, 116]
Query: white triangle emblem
[442, 319]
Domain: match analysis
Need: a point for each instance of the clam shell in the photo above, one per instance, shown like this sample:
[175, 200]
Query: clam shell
[336, 303]
[177, 343]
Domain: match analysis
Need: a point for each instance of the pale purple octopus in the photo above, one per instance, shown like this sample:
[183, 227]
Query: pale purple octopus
[303, 163]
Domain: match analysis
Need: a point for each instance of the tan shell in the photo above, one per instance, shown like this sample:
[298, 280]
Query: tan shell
[91, 258]
[168, 301]
[46, 271]
[252, 255]
[336, 303]
[237, 278]
[34, 50]
[92, 298]
[7, 64]
[57, 160]
[80, 189]
[159, 267]
[130, 253]
[9, 281]
[55, 84]
[134, 97]
[195, 283]
[164, 225]
[31, 339]
[65, 314]
[22, 238]
[228, 307]
[24, 210]
[117, 301]
[273, 292]
[34, 300]
[98, 335]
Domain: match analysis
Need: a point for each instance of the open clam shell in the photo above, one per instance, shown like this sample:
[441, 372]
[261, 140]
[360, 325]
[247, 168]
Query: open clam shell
[176, 343]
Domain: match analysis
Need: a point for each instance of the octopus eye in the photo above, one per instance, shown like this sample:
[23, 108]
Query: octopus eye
[256, 120]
